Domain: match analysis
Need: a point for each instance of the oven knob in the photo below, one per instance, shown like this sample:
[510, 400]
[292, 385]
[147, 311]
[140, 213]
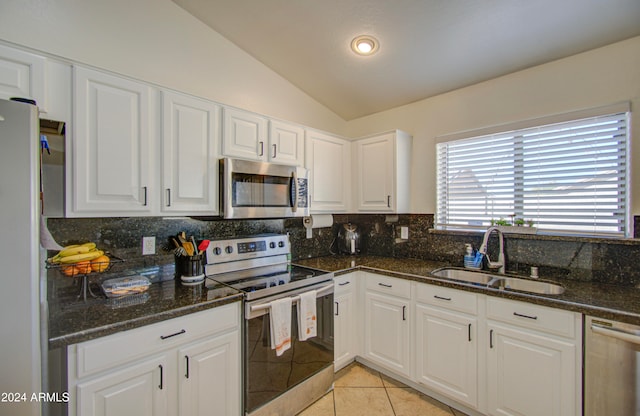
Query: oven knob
[229, 249]
[280, 282]
[272, 245]
[281, 244]
[217, 251]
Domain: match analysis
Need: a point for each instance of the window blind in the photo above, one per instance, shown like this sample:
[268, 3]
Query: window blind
[568, 177]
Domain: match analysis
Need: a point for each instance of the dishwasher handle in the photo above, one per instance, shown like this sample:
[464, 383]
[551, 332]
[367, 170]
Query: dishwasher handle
[615, 333]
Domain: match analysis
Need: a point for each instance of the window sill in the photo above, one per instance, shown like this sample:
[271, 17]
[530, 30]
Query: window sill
[542, 236]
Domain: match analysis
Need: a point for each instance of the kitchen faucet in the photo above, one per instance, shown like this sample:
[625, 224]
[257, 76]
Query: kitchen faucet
[500, 264]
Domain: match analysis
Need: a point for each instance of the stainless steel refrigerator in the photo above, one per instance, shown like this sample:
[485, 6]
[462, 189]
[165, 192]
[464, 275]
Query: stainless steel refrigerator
[20, 262]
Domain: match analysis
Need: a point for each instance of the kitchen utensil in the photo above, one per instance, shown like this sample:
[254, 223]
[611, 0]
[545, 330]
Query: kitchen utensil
[203, 246]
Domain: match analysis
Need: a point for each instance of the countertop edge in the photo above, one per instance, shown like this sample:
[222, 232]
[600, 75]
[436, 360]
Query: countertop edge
[538, 299]
[101, 331]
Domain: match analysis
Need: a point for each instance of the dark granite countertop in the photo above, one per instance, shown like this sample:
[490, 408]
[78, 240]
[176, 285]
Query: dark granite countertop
[621, 303]
[73, 320]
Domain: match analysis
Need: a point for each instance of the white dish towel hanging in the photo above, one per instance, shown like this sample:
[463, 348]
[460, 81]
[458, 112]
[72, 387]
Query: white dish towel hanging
[307, 320]
[280, 320]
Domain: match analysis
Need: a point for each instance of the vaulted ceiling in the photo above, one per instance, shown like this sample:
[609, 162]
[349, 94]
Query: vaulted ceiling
[427, 47]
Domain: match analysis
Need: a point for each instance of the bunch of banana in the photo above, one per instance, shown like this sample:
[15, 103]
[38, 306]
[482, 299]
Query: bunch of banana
[76, 253]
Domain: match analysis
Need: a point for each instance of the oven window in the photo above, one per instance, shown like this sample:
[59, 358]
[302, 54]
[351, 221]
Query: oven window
[267, 375]
[251, 190]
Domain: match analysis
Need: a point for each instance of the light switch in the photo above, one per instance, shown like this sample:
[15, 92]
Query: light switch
[404, 233]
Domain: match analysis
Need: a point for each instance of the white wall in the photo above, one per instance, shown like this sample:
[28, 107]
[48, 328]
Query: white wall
[157, 41]
[592, 79]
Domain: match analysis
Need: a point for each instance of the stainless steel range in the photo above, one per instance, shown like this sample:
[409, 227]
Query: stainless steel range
[260, 266]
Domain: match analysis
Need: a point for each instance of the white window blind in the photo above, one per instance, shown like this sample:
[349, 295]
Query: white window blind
[568, 177]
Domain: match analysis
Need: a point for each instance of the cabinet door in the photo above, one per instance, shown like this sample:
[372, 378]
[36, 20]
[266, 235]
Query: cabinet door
[209, 374]
[139, 390]
[190, 164]
[244, 135]
[112, 149]
[22, 74]
[345, 337]
[375, 173]
[386, 332]
[286, 143]
[447, 353]
[328, 159]
[530, 374]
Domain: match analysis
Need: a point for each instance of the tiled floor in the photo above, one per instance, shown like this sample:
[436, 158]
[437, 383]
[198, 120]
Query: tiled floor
[358, 390]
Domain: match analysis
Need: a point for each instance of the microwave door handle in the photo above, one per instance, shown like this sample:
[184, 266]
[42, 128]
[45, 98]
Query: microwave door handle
[294, 192]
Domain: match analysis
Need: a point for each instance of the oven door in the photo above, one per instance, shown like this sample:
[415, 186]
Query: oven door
[262, 190]
[268, 376]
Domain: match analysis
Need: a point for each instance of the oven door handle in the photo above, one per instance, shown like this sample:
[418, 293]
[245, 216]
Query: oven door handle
[261, 306]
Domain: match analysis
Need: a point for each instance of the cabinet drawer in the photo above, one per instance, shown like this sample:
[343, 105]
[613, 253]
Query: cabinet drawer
[345, 283]
[113, 350]
[447, 298]
[541, 318]
[388, 285]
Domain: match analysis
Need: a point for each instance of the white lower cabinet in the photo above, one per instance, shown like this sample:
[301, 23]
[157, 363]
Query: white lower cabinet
[533, 360]
[209, 377]
[188, 366]
[345, 320]
[387, 304]
[489, 354]
[446, 342]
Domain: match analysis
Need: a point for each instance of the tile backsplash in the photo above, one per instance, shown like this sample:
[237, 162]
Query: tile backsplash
[590, 259]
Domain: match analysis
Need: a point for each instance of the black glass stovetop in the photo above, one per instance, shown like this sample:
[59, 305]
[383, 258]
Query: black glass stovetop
[258, 284]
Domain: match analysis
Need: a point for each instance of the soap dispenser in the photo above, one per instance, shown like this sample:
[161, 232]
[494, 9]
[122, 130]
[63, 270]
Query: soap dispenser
[469, 257]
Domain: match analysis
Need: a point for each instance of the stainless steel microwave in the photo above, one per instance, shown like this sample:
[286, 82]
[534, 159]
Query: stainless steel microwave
[263, 190]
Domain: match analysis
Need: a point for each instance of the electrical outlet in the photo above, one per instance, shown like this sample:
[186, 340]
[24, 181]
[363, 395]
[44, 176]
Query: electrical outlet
[404, 233]
[148, 245]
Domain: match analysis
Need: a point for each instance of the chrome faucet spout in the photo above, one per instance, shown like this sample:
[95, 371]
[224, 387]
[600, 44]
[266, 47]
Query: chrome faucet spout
[500, 264]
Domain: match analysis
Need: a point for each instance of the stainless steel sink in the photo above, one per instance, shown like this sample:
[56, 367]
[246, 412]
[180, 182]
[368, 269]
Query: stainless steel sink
[498, 281]
[531, 286]
[464, 275]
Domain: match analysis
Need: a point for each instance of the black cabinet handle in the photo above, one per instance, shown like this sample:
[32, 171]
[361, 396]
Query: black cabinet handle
[186, 358]
[441, 298]
[404, 317]
[168, 197]
[161, 386]
[491, 339]
[261, 149]
[274, 151]
[384, 285]
[173, 335]
[337, 308]
[144, 189]
[469, 330]
[344, 283]
[525, 316]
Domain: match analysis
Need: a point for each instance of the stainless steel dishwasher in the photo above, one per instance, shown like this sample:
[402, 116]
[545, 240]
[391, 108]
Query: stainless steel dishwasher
[611, 368]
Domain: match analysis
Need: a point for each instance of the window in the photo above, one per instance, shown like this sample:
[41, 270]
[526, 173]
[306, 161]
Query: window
[568, 177]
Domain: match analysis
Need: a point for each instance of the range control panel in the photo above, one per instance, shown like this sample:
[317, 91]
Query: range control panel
[222, 251]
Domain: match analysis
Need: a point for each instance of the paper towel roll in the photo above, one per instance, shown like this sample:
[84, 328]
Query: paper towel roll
[317, 221]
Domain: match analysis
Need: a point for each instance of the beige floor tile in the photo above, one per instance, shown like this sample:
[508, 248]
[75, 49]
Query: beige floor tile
[391, 383]
[362, 402]
[408, 402]
[356, 375]
[323, 407]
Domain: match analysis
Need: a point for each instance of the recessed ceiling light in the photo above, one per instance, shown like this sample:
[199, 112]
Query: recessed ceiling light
[364, 45]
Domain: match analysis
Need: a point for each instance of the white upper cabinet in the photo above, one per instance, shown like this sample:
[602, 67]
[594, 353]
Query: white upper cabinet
[286, 143]
[328, 159]
[23, 74]
[244, 135]
[112, 151]
[190, 137]
[382, 172]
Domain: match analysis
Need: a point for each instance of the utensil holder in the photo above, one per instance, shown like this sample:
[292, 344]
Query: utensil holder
[190, 268]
